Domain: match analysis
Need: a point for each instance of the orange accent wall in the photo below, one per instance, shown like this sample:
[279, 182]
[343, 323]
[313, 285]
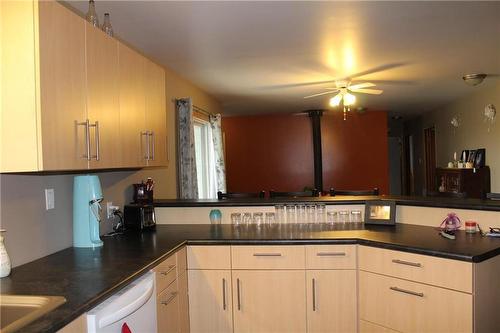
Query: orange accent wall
[355, 151]
[275, 152]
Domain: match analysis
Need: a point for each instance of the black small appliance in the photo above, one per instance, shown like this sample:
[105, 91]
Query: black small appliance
[139, 216]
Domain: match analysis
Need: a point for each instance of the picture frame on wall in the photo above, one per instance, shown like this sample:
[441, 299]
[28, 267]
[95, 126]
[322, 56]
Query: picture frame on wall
[380, 212]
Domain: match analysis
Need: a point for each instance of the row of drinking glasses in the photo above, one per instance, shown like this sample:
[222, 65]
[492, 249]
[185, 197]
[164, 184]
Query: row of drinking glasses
[299, 213]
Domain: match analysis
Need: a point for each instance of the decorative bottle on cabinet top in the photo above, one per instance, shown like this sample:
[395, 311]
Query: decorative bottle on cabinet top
[106, 26]
[92, 14]
[4, 258]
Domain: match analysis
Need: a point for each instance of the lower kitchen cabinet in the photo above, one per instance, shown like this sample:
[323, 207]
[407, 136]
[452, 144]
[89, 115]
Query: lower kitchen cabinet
[331, 301]
[407, 306]
[182, 283]
[269, 301]
[210, 304]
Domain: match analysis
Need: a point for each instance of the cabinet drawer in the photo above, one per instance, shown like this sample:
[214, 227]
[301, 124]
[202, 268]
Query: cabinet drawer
[407, 306]
[268, 257]
[209, 257]
[167, 310]
[331, 257]
[452, 274]
[165, 273]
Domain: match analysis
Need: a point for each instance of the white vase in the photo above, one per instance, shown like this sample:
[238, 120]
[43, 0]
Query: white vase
[4, 259]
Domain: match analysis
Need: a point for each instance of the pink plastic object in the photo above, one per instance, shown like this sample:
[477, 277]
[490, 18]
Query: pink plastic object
[451, 222]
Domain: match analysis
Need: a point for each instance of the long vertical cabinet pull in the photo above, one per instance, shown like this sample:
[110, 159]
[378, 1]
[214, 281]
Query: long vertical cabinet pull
[146, 134]
[314, 293]
[238, 293]
[97, 141]
[224, 294]
[152, 134]
[86, 123]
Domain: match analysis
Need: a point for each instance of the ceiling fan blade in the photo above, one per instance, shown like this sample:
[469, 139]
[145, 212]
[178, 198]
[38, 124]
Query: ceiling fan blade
[320, 94]
[389, 82]
[367, 91]
[294, 85]
[362, 85]
[377, 69]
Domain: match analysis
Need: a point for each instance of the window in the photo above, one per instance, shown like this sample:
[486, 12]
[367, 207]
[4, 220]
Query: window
[205, 160]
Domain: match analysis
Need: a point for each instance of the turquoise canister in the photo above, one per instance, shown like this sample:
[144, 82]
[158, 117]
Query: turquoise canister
[87, 197]
[215, 216]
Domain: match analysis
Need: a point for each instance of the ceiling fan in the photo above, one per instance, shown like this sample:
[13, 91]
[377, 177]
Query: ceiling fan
[343, 90]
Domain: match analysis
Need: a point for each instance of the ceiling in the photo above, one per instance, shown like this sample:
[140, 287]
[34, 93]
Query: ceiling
[245, 53]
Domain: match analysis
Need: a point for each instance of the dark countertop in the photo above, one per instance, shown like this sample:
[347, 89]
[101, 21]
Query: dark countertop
[86, 277]
[475, 204]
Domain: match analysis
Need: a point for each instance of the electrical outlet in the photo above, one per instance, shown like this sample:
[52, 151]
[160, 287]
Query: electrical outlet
[50, 201]
[110, 208]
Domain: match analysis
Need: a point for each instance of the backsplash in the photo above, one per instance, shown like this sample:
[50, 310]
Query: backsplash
[33, 232]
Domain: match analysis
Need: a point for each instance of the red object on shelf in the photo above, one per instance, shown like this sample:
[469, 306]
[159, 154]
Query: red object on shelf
[125, 328]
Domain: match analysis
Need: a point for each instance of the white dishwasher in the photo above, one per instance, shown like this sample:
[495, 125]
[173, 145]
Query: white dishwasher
[130, 310]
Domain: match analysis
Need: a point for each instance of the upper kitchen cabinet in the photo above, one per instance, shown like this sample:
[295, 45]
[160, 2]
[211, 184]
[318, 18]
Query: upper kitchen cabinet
[134, 136]
[103, 108]
[74, 98]
[156, 117]
[43, 87]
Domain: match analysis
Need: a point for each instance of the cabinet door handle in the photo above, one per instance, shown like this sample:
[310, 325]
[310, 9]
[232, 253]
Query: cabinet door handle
[267, 254]
[238, 294]
[86, 123]
[331, 254]
[170, 268]
[146, 134]
[152, 134]
[409, 292]
[224, 294]
[314, 294]
[170, 299]
[97, 138]
[407, 263]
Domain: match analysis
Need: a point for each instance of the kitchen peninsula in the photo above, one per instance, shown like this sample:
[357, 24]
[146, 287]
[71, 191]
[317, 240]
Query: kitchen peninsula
[445, 269]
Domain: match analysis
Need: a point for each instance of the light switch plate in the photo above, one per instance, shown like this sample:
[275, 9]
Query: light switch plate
[50, 202]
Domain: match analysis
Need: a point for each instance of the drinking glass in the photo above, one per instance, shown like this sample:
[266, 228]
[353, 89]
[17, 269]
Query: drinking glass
[343, 216]
[258, 218]
[290, 214]
[280, 213]
[321, 213]
[247, 218]
[301, 213]
[331, 217]
[270, 218]
[356, 216]
[236, 219]
[311, 213]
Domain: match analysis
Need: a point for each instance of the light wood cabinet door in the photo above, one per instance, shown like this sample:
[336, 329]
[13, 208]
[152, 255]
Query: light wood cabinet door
[167, 310]
[62, 87]
[103, 108]
[210, 305]
[182, 282]
[331, 301]
[156, 117]
[269, 301]
[132, 107]
[412, 307]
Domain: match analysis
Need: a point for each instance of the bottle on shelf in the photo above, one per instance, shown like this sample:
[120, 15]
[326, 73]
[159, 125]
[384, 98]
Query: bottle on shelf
[106, 26]
[92, 14]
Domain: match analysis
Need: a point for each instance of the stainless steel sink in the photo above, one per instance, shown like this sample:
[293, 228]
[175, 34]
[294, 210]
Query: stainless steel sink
[17, 311]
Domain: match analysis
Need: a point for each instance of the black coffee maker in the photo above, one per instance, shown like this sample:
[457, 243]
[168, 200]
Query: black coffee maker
[140, 214]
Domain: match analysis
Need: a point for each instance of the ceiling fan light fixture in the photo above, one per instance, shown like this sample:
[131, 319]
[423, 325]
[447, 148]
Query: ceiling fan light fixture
[474, 79]
[349, 99]
[335, 100]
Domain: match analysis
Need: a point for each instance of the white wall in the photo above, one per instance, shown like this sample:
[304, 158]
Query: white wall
[473, 131]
